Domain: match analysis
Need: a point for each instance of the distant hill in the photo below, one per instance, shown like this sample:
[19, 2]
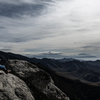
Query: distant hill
[4, 56]
[66, 59]
[88, 72]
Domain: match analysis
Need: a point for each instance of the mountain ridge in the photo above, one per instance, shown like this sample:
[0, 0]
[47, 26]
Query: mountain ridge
[74, 88]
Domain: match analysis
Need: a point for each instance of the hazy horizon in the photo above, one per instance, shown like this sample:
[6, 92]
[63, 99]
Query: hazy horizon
[66, 28]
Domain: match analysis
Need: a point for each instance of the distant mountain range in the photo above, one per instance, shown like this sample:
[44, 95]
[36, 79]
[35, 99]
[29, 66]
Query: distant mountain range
[87, 71]
[80, 80]
[66, 59]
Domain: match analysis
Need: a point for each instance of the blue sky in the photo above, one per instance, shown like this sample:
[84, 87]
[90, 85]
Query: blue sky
[67, 28]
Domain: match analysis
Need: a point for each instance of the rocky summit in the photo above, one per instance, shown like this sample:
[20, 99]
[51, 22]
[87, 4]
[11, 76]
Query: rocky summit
[13, 88]
[27, 82]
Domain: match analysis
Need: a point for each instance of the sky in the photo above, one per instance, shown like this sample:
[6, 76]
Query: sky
[51, 28]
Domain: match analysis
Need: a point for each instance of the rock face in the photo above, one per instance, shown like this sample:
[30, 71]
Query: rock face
[13, 88]
[41, 84]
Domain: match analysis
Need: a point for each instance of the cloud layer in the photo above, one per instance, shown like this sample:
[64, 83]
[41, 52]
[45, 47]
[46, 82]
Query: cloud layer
[69, 27]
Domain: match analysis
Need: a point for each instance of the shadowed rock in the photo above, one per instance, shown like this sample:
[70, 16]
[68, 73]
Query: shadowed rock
[13, 88]
[40, 83]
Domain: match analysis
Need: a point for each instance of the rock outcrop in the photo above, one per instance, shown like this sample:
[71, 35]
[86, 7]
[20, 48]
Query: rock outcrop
[40, 83]
[13, 88]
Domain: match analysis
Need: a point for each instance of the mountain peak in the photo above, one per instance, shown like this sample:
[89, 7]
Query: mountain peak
[38, 81]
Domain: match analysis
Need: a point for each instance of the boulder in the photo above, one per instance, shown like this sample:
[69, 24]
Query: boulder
[40, 82]
[13, 88]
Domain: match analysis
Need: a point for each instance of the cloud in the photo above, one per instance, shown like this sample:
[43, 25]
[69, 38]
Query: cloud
[84, 55]
[11, 10]
[20, 2]
[48, 55]
[37, 26]
[58, 55]
[87, 47]
[5, 49]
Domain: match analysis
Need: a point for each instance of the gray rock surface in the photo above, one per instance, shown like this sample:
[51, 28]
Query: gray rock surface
[40, 82]
[13, 88]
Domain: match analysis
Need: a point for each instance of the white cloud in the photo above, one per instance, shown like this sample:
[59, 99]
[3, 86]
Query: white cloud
[19, 2]
[62, 25]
